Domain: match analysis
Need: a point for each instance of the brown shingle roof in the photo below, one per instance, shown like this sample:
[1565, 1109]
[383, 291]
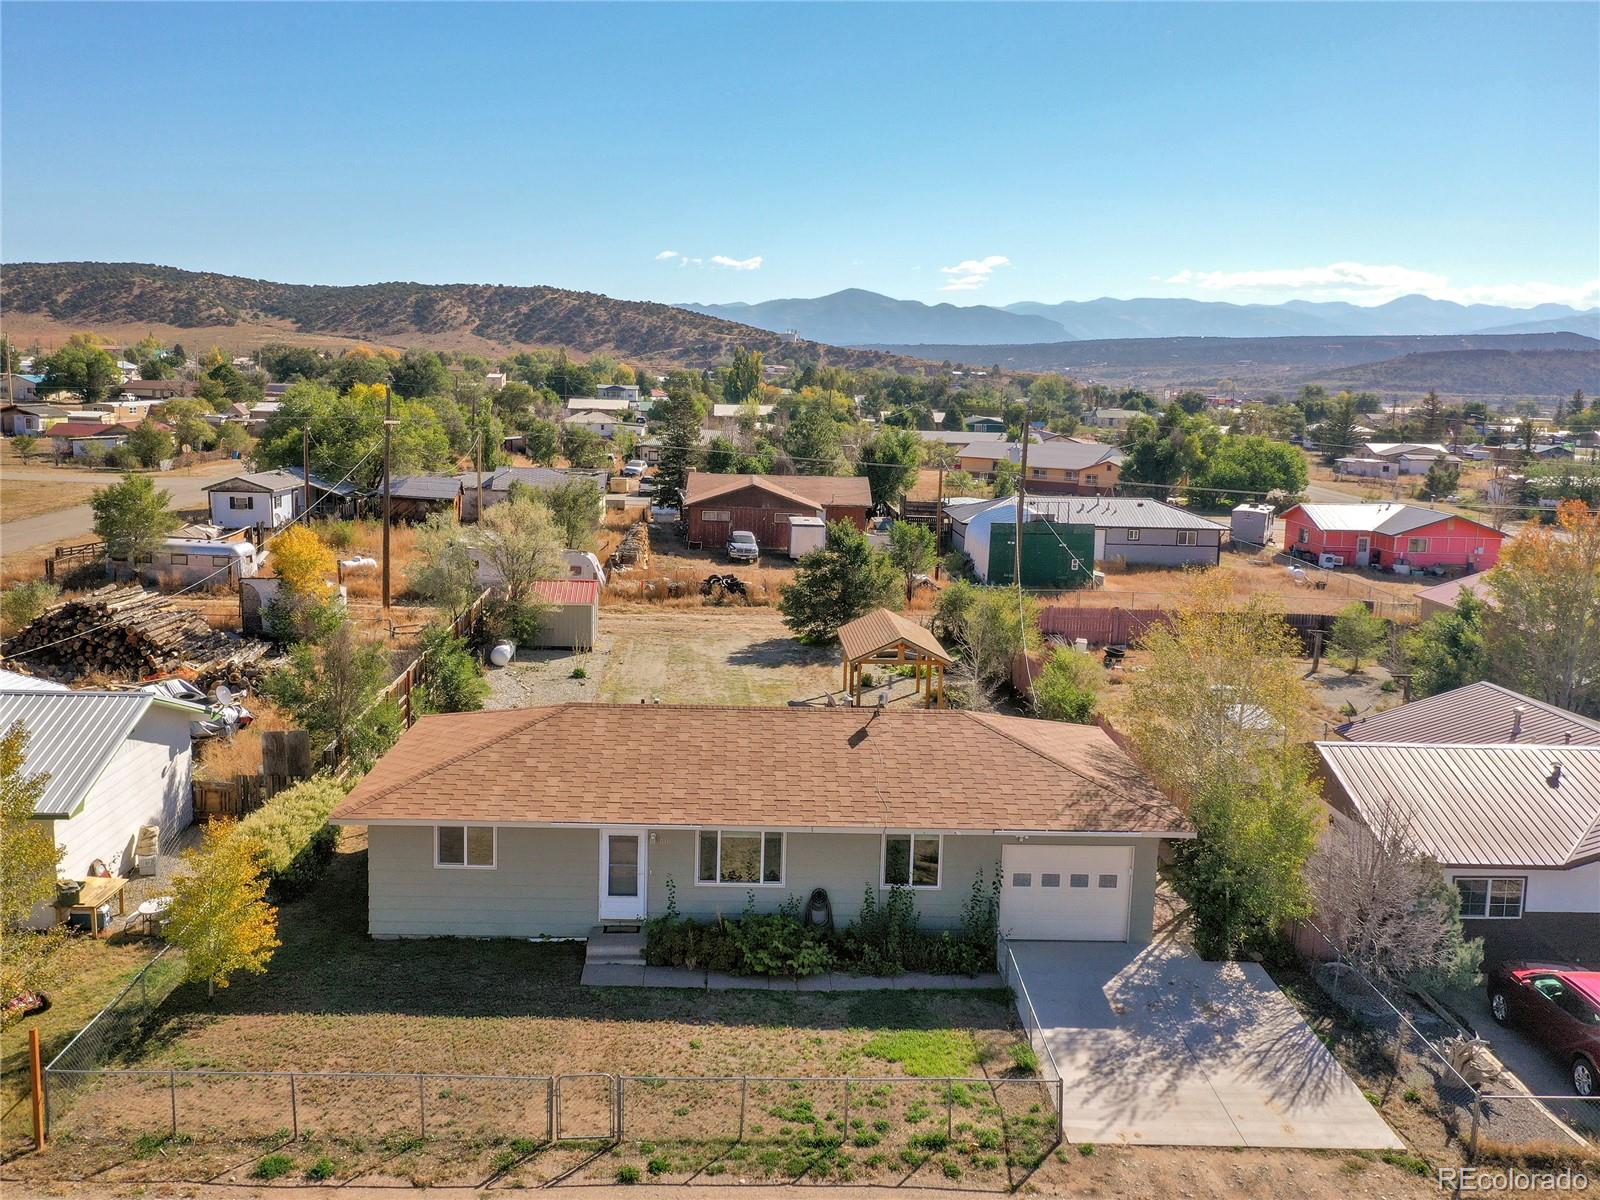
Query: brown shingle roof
[1479, 806]
[851, 490]
[881, 628]
[1481, 712]
[845, 768]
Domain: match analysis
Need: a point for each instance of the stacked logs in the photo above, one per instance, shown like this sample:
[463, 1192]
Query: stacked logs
[127, 633]
[633, 550]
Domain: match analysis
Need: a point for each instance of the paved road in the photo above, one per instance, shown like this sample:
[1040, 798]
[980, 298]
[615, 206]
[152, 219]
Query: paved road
[187, 492]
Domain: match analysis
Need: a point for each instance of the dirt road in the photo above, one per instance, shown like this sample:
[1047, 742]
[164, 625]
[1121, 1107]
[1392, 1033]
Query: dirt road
[187, 492]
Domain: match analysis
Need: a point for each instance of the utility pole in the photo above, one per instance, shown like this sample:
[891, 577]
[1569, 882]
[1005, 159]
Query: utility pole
[1022, 487]
[478, 457]
[388, 429]
[305, 470]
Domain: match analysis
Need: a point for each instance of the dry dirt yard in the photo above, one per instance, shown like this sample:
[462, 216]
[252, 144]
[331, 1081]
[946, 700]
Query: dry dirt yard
[702, 655]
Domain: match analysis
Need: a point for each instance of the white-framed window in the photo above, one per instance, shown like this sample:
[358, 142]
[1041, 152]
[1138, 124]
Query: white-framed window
[715, 514]
[1091, 479]
[1303, 536]
[1416, 545]
[1491, 898]
[1037, 472]
[740, 858]
[464, 847]
[1132, 535]
[1188, 537]
[241, 501]
[912, 860]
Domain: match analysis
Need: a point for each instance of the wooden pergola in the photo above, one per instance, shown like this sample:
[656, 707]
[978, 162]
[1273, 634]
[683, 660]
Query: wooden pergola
[886, 639]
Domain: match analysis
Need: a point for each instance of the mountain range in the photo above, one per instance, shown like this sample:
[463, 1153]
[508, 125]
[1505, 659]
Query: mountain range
[47, 301]
[855, 317]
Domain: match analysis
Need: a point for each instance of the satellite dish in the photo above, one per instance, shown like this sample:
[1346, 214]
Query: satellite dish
[224, 694]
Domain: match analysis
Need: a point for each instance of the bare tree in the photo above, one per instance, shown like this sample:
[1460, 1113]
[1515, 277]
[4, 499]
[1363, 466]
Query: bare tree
[1388, 908]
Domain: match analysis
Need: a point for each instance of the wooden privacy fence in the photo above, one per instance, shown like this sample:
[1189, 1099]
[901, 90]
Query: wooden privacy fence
[69, 558]
[285, 761]
[416, 671]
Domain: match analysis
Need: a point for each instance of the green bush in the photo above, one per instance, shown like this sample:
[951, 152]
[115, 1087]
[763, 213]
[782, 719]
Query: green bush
[323, 1168]
[22, 602]
[453, 681]
[273, 1166]
[628, 1173]
[293, 833]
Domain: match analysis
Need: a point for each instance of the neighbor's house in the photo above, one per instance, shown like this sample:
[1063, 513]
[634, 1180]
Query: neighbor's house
[1126, 530]
[1111, 418]
[116, 761]
[580, 404]
[755, 803]
[198, 554]
[127, 410]
[30, 420]
[1516, 828]
[78, 438]
[1443, 597]
[156, 389]
[724, 418]
[1408, 458]
[264, 499]
[497, 484]
[985, 424]
[1058, 468]
[603, 424]
[960, 437]
[1473, 714]
[716, 505]
[417, 497]
[628, 393]
[21, 389]
[1389, 535]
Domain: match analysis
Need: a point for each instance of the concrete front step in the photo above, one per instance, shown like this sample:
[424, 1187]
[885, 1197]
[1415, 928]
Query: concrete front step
[620, 949]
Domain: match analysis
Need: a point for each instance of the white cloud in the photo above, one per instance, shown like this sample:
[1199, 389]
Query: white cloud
[972, 274]
[716, 260]
[1364, 283]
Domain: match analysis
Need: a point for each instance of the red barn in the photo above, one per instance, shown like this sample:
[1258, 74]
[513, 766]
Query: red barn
[717, 505]
[1389, 535]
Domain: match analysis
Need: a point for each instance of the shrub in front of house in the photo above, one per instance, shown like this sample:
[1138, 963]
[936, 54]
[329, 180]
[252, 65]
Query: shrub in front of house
[292, 831]
[884, 940]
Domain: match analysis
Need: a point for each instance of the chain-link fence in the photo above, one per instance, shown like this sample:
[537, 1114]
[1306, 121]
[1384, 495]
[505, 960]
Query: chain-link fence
[1433, 1058]
[1028, 1016]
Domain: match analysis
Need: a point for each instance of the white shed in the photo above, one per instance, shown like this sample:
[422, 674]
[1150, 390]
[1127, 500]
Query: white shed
[1252, 523]
[571, 620]
[806, 534]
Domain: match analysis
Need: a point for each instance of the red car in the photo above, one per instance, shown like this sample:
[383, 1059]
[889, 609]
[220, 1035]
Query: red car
[1557, 1004]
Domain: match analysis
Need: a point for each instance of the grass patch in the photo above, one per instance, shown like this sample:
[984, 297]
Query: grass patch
[1406, 1162]
[1023, 1057]
[628, 1173]
[273, 1166]
[926, 1053]
[322, 1169]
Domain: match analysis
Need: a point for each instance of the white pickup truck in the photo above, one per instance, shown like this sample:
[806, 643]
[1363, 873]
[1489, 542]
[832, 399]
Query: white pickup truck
[743, 547]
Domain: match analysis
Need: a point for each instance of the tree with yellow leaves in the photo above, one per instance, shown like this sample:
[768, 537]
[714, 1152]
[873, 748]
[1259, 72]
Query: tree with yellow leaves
[301, 560]
[219, 915]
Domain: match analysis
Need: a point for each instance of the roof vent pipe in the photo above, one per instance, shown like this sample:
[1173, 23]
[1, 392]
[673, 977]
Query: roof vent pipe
[1554, 778]
[1517, 714]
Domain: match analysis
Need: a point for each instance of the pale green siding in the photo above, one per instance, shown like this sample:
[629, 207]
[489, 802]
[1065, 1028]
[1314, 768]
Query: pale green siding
[546, 881]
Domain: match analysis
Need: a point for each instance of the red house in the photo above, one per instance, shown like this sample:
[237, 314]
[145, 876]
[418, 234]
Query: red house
[716, 505]
[1388, 535]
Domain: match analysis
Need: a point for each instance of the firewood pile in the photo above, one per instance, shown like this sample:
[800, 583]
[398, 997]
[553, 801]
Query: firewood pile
[125, 632]
[633, 551]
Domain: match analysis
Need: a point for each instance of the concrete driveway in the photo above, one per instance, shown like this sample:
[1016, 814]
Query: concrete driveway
[1159, 1048]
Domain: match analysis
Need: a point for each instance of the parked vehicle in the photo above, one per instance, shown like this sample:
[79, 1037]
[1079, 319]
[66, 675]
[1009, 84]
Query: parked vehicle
[635, 467]
[647, 487]
[743, 547]
[1558, 1005]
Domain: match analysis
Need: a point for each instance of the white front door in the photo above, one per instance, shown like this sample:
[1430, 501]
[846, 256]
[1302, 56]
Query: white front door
[622, 874]
[1363, 551]
[1065, 893]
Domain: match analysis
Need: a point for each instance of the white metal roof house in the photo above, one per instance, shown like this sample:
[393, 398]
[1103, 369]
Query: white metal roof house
[1127, 530]
[268, 498]
[117, 761]
[1516, 827]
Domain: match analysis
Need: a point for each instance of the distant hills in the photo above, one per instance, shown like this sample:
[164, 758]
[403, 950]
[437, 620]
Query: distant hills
[855, 317]
[66, 297]
[1490, 365]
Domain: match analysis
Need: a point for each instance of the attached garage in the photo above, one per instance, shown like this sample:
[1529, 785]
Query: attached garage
[1065, 893]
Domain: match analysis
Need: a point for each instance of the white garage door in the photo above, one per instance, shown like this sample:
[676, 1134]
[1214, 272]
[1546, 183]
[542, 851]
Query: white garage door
[1066, 893]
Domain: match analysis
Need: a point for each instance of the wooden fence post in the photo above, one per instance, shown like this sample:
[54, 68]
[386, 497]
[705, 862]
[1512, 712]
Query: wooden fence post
[36, 1071]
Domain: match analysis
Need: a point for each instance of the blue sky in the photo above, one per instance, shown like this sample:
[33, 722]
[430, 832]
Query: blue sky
[730, 152]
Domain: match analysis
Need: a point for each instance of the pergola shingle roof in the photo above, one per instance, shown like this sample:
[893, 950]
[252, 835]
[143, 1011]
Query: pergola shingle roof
[790, 768]
[880, 629]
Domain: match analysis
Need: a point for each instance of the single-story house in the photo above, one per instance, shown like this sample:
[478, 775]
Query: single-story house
[985, 424]
[497, 484]
[1127, 530]
[31, 420]
[1516, 828]
[270, 499]
[1058, 468]
[329, 499]
[1442, 597]
[128, 410]
[1409, 458]
[1478, 713]
[1366, 468]
[605, 424]
[416, 497]
[464, 839]
[117, 761]
[1111, 418]
[1389, 535]
[78, 438]
[724, 418]
[960, 437]
[717, 505]
[580, 404]
[21, 389]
